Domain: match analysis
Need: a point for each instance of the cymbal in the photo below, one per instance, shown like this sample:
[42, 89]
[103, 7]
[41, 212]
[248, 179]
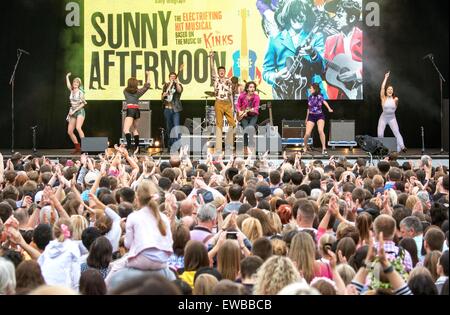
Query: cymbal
[210, 94]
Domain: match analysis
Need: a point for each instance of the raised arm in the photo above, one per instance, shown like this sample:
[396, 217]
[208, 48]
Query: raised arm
[212, 64]
[383, 86]
[69, 85]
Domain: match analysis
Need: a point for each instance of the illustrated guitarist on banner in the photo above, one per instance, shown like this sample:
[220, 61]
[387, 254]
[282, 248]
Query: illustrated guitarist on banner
[294, 57]
[343, 51]
[247, 112]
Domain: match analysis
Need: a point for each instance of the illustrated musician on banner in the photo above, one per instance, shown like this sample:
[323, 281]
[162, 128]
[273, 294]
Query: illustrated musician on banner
[247, 112]
[294, 57]
[76, 114]
[132, 94]
[223, 106]
[344, 50]
[171, 95]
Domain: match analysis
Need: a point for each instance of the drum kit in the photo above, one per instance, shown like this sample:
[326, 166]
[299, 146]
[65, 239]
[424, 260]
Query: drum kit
[210, 113]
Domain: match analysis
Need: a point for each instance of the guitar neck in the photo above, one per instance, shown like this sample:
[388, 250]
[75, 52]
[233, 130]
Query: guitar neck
[332, 65]
[270, 114]
[244, 47]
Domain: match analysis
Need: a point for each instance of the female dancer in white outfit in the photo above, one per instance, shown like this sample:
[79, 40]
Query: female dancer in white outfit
[389, 102]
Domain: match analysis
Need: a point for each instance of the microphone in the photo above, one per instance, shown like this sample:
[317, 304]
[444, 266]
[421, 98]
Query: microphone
[23, 51]
[430, 55]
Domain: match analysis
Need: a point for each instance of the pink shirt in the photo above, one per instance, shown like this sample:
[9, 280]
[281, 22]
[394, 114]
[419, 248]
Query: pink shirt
[244, 102]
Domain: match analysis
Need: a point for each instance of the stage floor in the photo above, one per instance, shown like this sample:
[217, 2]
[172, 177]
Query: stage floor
[351, 154]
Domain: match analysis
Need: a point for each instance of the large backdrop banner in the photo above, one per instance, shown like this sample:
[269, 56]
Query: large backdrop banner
[281, 45]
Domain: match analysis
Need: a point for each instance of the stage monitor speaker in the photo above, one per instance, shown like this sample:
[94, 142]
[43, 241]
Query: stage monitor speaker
[144, 124]
[342, 130]
[293, 129]
[94, 144]
[444, 125]
[371, 145]
[389, 142]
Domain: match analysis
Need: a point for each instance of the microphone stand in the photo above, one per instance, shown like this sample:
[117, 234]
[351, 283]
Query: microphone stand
[441, 81]
[11, 82]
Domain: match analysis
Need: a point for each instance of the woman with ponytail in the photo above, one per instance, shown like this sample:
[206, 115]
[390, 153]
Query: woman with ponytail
[148, 236]
[60, 260]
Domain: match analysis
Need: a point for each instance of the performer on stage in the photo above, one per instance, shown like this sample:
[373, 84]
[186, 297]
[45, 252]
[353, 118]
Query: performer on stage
[223, 105]
[248, 110]
[132, 94]
[76, 114]
[172, 105]
[315, 115]
[389, 103]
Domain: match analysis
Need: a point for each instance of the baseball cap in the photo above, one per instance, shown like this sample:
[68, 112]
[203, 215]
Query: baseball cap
[264, 191]
[90, 177]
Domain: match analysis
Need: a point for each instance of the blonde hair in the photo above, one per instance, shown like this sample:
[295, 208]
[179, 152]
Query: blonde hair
[275, 274]
[303, 252]
[275, 220]
[79, 224]
[204, 284]
[80, 83]
[252, 228]
[377, 181]
[326, 241]
[58, 230]
[346, 272]
[279, 247]
[229, 260]
[145, 193]
[52, 290]
[411, 201]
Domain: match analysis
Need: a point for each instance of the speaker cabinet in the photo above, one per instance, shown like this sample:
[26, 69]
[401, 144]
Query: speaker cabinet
[144, 123]
[389, 142]
[293, 129]
[342, 130]
[94, 144]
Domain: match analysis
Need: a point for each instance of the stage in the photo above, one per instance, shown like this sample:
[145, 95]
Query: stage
[316, 154]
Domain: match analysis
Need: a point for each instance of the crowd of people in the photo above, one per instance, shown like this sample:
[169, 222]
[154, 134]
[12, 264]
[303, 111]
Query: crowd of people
[122, 224]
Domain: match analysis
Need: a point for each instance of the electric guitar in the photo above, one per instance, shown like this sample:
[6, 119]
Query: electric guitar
[170, 89]
[243, 114]
[343, 63]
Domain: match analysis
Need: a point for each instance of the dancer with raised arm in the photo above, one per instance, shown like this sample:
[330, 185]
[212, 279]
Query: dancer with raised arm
[389, 103]
[76, 114]
[132, 94]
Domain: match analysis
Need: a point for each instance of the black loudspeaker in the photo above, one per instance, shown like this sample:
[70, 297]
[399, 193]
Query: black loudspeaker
[389, 142]
[144, 123]
[342, 130]
[293, 129]
[94, 144]
[372, 145]
[444, 126]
